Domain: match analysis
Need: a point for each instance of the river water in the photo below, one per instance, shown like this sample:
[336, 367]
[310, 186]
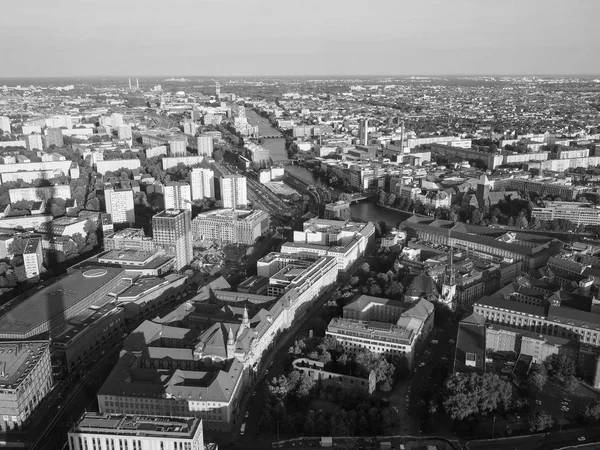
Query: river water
[366, 211]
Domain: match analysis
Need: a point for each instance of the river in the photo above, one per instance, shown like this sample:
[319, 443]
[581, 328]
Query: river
[366, 211]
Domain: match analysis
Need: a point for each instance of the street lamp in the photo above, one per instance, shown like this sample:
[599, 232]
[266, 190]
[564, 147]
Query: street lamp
[493, 426]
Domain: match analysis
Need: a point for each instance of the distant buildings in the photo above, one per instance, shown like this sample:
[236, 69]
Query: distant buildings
[54, 137]
[37, 194]
[115, 164]
[136, 432]
[34, 142]
[119, 204]
[226, 226]
[177, 145]
[5, 125]
[177, 196]
[124, 132]
[172, 233]
[233, 191]
[576, 212]
[26, 378]
[202, 183]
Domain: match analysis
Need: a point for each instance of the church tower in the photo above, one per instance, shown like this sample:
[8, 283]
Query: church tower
[448, 294]
[245, 323]
[230, 344]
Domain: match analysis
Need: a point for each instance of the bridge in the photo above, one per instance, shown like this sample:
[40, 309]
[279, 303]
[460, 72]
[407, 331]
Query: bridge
[270, 136]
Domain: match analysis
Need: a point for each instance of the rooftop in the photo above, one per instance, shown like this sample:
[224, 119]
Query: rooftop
[147, 426]
[17, 359]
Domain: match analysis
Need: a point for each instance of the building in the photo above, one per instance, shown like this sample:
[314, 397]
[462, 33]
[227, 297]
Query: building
[54, 137]
[345, 241]
[339, 210]
[233, 191]
[203, 183]
[137, 432]
[173, 161]
[469, 355]
[115, 164]
[172, 233]
[226, 226]
[26, 378]
[33, 258]
[39, 194]
[119, 204]
[205, 145]
[580, 213]
[363, 131]
[388, 336]
[129, 238]
[178, 196]
[177, 145]
[34, 142]
[124, 132]
[5, 125]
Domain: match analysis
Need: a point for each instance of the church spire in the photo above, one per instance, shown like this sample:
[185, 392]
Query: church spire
[230, 340]
[246, 321]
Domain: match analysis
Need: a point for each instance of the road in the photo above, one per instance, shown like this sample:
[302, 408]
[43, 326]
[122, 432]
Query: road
[547, 441]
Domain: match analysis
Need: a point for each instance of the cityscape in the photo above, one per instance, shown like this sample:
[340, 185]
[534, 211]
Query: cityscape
[300, 250]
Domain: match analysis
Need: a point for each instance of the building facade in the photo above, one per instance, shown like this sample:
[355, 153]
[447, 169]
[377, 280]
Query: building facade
[233, 191]
[203, 183]
[119, 204]
[172, 233]
[178, 196]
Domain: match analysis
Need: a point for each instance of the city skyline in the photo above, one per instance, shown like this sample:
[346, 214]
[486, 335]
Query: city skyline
[258, 39]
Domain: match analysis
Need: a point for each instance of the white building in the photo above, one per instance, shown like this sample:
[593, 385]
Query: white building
[178, 196]
[205, 145]
[32, 258]
[100, 431]
[34, 142]
[124, 132]
[113, 121]
[5, 124]
[38, 194]
[576, 212]
[202, 183]
[119, 204]
[177, 145]
[60, 121]
[233, 191]
[115, 164]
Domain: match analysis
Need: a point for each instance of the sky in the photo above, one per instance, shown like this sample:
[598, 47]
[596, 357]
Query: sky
[141, 38]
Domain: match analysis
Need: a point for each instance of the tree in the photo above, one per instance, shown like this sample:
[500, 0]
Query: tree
[305, 386]
[560, 367]
[538, 377]
[470, 395]
[591, 415]
[17, 246]
[540, 421]
[79, 241]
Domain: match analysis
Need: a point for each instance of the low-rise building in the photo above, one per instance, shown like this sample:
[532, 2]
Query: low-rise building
[226, 226]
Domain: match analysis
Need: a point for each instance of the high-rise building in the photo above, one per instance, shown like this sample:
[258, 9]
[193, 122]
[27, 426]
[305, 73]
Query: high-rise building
[54, 136]
[5, 124]
[178, 196]
[190, 128]
[136, 432]
[363, 131]
[124, 132]
[177, 145]
[119, 204]
[233, 191]
[32, 258]
[172, 232]
[34, 142]
[203, 183]
[205, 145]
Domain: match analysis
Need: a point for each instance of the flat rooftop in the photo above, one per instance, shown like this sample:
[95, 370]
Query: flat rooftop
[123, 256]
[34, 308]
[147, 426]
[17, 359]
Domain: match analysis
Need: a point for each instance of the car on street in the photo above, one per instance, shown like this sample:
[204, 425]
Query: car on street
[581, 438]
[247, 414]
[538, 402]
[422, 364]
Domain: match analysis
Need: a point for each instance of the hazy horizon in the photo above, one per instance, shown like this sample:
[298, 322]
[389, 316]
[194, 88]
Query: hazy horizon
[261, 38]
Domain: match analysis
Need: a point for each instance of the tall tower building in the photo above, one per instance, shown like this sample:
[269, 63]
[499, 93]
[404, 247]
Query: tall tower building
[448, 293]
[34, 142]
[119, 204]
[203, 183]
[363, 131]
[483, 190]
[205, 145]
[54, 136]
[177, 145]
[172, 232]
[5, 124]
[233, 191]
[178, 196]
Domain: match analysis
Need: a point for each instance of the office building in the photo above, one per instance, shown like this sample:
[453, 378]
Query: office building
[32, 258]
[172, 233]
[205, 145]
[177, 145]
[54, 137]
[124, 132]
[5, 125]
[119, 204]
[26, 378]
[178, 196]
[136, 432]
[226, 226]
[233, 191]
[580, 213]
[129, 238]
[203, 183]
[34, 142]
[363, 131]
[339, 210]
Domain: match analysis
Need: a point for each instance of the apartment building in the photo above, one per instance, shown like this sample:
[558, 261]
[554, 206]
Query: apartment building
[172, 233]
[226, 226]
[119, 204]
[203, 183]
[580, 213]
[33, 258]
[39, 194]
[233, 191]
[178, 196]
[205, 145]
